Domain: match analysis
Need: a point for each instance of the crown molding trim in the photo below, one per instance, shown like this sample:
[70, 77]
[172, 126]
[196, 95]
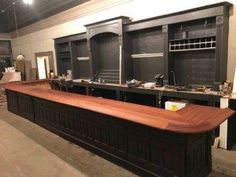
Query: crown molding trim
[5, 36]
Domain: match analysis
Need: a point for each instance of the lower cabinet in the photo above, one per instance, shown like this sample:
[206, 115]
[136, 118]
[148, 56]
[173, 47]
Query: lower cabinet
[144, 150]
[20, 104]
[12, 101]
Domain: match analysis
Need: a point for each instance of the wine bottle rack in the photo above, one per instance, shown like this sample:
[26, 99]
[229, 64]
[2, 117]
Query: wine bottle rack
[203, 43]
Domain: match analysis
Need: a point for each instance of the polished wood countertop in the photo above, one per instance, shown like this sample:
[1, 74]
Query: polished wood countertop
[191, 119]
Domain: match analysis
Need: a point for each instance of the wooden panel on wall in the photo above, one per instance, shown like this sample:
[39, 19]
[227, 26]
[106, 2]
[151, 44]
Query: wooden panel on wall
[107, 45]
[195, 68]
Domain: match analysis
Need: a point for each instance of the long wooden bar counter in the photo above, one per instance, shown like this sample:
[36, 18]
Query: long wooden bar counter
[151, 141]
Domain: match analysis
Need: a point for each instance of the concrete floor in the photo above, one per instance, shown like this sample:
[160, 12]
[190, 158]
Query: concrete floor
[224, 161]
[27, 150]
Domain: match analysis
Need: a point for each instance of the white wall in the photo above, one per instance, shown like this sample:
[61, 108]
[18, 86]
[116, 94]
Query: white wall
[232, 45]
[42, 40]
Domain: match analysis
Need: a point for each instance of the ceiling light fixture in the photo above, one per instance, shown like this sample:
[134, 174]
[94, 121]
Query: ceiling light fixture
[28, 2]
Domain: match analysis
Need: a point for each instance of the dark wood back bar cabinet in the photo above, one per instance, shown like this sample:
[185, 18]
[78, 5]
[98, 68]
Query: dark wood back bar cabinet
[188, 47]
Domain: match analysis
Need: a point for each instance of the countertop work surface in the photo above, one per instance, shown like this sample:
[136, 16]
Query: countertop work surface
[154, 89]
[191, 119]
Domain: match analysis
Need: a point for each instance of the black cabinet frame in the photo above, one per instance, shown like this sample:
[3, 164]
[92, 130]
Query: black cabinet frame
[184, 46]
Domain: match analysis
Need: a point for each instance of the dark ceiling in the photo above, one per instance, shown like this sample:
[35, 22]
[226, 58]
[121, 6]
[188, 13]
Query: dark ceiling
[27, 15]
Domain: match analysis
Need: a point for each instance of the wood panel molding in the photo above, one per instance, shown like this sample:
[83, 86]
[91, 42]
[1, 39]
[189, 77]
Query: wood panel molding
[5, 36]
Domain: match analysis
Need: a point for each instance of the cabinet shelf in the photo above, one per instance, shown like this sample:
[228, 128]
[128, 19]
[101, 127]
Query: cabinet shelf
[82, 58]
[204, 43]
[147, 55]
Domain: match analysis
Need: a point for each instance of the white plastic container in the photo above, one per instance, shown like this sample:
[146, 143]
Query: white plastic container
[174, 105]
[69, 74]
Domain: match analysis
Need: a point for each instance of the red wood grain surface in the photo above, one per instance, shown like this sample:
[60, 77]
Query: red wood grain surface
[191, 119]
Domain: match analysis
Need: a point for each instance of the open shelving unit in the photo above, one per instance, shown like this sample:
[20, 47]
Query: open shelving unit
[146, 52]
[106, 42]
[72, 54]
[80, 57]
[106, 64]
[63, 54]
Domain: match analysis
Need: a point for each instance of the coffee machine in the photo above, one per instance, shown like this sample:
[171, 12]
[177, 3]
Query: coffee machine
[159, 80]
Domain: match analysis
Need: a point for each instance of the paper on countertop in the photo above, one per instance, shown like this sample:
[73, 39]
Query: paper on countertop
[80, 80]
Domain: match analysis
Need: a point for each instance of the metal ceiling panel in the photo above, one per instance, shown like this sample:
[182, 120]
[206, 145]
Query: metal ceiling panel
[27, 15]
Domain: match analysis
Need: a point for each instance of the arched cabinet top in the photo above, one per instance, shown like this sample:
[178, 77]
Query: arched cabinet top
[114, 25]
[97, 32]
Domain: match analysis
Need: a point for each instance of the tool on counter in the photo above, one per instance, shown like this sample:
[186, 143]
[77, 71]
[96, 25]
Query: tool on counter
[133, 83]
[159, 80]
